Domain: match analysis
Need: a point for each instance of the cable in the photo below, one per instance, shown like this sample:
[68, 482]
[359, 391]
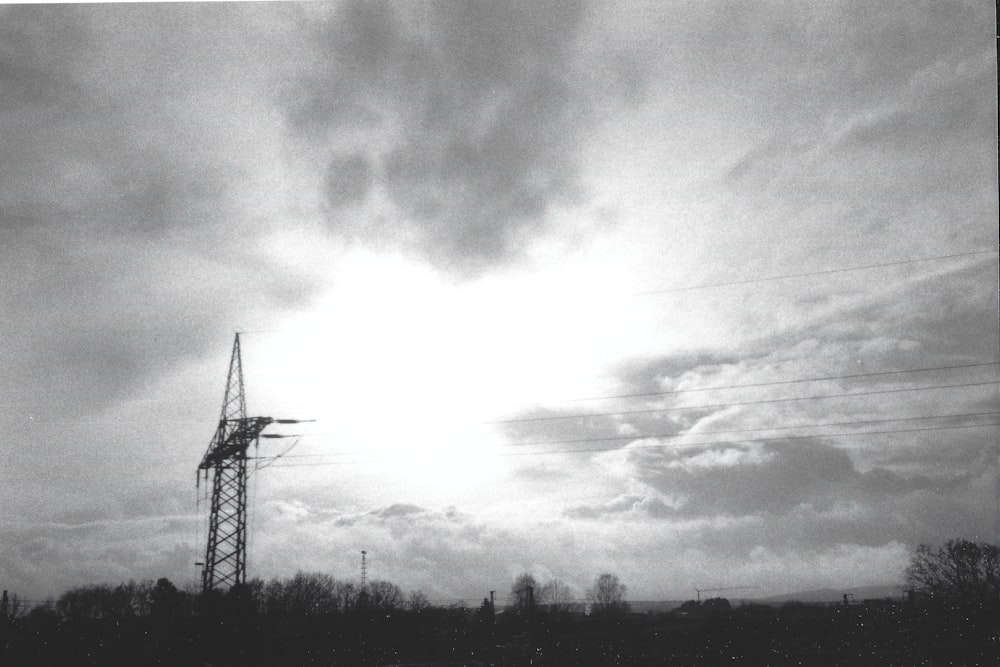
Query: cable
[272, 459]
[741, 403]
[682, 446]
[756, 440]
[774, 383]
[609, 397]
[613, 438]
[805, 274]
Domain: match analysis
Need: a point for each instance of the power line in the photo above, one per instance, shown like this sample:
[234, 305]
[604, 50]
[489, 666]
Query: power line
[819, 378]
[810, 436]
[822, 378]
[805, 274]
[682, 445]
[735, 404]
[615, 438]
[627, 437]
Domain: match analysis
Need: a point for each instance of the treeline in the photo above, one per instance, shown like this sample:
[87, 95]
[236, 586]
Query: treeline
[312, 619]
[307, 619]
[305, 594]
[949, 618]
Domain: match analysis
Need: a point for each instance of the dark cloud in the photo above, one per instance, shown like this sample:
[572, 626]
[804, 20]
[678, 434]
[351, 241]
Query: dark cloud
[480, 97]
[48, 558]
[736, 480]
[732, 499]
[117, 200]
[349, 179]
[798, 65]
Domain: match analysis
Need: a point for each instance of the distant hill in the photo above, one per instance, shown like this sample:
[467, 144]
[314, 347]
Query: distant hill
[894, 591]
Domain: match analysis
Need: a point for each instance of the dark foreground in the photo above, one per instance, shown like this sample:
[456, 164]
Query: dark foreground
[879, 634]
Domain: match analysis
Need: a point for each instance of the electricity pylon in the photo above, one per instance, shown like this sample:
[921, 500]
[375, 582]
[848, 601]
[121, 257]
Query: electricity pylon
[226, 551]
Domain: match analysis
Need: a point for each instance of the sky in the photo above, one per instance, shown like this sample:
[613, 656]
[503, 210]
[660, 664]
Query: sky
[700, 294]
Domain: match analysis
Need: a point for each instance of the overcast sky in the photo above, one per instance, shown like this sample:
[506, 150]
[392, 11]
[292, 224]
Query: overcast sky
[569, 288]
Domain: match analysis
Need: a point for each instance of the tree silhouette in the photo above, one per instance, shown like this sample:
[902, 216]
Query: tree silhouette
[960, 570]
[385, 595]
[555, 596]
[607, 595]
[166, 602]
[522, 593]
[417, 601]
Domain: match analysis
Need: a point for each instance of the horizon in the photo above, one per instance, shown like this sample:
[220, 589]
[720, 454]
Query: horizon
[824, 596]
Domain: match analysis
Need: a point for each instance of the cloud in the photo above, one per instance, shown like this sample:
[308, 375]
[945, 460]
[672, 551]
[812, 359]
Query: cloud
[349, 179]
[116, 202]
[734, 480]
[48, 558]
[788, 498]
[471, 119]
[747, 465]
[398, 510]
[630, 504]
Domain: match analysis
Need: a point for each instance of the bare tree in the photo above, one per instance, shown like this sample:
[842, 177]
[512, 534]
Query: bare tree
[385, 595]
[417, 601]
[556, 596]
[95, 601]
[522, 592]
[960, 570]
[304, 594]
[347, 594]
[15, 606]
[607, 595]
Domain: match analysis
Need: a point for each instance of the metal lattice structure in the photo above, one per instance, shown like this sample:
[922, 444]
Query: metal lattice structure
[225, 554]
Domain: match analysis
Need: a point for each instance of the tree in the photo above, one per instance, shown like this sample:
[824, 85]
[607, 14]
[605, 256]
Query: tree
[309, 593]
[960, 570]
[166, 602]
[555, 596]
[347, 595]
[522, 592]
[385, 595]
[14, 606]
[485, 615]
[607, 595]
[132, 599]
[417, 601]
[96, 601]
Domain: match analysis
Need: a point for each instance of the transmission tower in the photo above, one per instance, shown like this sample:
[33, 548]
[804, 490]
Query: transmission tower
[225, 554]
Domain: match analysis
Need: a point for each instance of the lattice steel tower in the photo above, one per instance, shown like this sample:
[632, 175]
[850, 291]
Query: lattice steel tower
[225, 554]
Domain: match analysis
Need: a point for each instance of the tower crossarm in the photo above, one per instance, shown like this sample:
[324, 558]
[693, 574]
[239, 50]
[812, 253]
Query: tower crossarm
[232, 439]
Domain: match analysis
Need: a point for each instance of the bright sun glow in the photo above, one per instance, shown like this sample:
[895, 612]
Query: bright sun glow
[403, 370]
